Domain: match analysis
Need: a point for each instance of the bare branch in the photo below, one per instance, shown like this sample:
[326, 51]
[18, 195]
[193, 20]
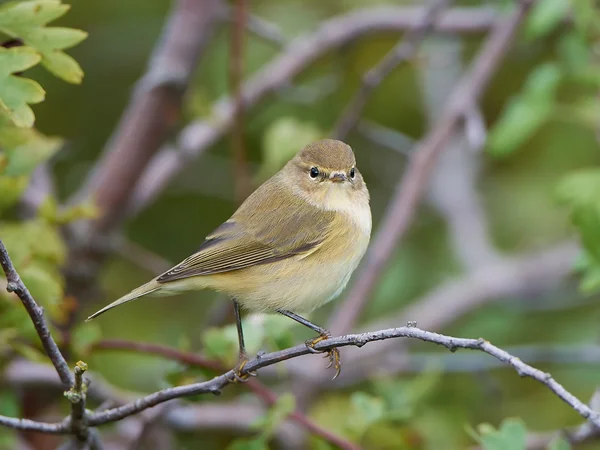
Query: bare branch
[410, 188]
[263, 392]
[303, 51]
[36, 312]
[63, 427]
[216, 384]
[153, 110]
[402, 52]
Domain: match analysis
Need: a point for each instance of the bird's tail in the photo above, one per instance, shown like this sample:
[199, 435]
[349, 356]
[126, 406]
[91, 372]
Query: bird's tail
[145, 289]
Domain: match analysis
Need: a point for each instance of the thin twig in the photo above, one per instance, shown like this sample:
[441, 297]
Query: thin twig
[300, 54]
[410, 188]
[63, 427]
[401, 53]
[77, 396]
[36, 312]
[262, 391]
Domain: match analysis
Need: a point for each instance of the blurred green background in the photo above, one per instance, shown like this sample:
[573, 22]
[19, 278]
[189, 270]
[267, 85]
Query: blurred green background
[428, 408]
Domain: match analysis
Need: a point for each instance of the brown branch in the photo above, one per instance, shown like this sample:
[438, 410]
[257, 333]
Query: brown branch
[236, 76]
[153, 110]
[300, 54]
[401, 53]
[36, 312]
[411, 187]
[263, 392]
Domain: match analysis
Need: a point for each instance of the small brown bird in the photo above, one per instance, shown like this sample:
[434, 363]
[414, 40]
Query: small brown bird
[289, 248]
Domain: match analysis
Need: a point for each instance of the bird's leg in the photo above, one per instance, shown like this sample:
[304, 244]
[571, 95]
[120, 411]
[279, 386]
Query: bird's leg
[333, 354]
[243, 356]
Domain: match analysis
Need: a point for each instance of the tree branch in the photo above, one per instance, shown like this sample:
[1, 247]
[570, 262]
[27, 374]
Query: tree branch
[216, 384]
[410, 188]
[77, 396]
[153, 110]
[263, 392]
[303, 51]
[402, 52]
[36, 312]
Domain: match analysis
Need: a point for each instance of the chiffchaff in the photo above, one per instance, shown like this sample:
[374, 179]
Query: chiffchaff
[290, 247]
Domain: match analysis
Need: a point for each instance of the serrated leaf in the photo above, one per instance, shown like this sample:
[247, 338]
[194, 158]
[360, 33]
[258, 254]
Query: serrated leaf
[17, 93]
[27, 20]
[545, 16]
[511, 435]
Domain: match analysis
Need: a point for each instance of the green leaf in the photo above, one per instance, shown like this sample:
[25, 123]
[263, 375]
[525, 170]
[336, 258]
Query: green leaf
[282, 140]
[84, 336]
[24, 149]
[27, 20]
[580, 188]
[17, 93]
[545, 16]
[11, 189]
[511, 435]
[268, 424]
[591, 279]
[573, 52]
[45, 285]
[559, 443]
[248, 444]
[30, 353]
[366, 410]
[9, 404]
[527, 112]
[220, 344]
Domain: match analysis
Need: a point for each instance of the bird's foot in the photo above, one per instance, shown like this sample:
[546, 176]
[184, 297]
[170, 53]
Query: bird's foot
[237, 376]
[333, 354]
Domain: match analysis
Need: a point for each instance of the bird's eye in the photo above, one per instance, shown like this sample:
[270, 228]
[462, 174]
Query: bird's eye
[314, 172]
[352, 173]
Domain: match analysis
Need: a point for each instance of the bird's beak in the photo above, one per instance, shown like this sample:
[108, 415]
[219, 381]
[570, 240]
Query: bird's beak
[338, 177]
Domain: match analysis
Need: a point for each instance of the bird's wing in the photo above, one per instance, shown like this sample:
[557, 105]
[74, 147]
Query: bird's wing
[265, 229]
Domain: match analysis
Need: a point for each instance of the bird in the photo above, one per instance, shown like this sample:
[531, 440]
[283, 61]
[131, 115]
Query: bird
[289, 248]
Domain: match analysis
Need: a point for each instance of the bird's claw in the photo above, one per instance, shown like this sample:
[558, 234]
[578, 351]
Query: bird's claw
[333, 354]
[237, 376]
